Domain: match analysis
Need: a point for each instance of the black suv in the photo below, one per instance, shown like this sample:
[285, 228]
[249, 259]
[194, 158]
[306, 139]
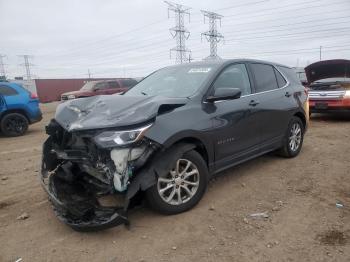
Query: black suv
[167, 136]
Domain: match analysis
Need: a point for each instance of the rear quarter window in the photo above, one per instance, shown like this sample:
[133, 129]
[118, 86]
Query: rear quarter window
[290, 74]
[7, 91]
[280, 79]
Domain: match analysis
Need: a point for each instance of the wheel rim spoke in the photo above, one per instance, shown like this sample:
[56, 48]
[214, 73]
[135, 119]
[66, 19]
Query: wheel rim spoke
[171, 195]
[165, 180]
[179, 198]
[163, 190]
[188, 191]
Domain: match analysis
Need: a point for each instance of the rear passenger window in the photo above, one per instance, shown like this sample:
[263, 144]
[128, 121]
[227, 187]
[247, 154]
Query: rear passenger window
[7, 91]
[280, 79]
[265, 77]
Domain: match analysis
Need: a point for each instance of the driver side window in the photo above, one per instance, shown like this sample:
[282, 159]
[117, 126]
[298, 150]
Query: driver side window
[234, 76]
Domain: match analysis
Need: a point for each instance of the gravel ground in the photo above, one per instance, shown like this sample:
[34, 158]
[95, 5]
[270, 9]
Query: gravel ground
[298, 195]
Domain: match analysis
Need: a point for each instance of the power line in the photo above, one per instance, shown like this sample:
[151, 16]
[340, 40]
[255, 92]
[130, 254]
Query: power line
[2, 67]
[179, 32]
[212, 35]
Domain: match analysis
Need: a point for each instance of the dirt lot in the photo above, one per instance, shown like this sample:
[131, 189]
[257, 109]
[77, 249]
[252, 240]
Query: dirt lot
[299, 196]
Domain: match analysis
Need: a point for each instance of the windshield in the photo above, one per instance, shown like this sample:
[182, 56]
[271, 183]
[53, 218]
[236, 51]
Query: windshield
[88, 86]
[182, 81]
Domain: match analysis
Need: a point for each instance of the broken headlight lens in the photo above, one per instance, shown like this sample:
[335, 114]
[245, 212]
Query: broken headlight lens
[120, 138]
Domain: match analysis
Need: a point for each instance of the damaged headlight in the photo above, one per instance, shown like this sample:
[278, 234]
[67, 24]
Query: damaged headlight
[120, 138]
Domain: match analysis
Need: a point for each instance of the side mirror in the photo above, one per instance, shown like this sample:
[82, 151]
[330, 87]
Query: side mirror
[224, 93]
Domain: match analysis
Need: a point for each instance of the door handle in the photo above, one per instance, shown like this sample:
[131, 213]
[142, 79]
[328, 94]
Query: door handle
[287, 94]
[253, 103]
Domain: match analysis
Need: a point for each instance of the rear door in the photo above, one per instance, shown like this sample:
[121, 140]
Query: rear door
[272, 102]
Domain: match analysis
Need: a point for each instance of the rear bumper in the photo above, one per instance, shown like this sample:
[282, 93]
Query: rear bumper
[37, 118]
[329, 105]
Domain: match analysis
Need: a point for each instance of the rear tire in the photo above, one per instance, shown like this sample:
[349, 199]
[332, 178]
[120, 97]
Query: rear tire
[182, 188]
[293, 140]
[14, 124]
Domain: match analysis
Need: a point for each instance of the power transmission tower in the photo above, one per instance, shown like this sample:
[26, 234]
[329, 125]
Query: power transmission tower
[179, 31]
[27, 66]
[2, 67]
[212, 35]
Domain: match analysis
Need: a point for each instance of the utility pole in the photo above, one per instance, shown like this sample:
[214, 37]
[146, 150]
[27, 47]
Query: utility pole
[27, 66]
[2, 67]
[212, 35]
[89, 73]
[320, 52]
[179, 31]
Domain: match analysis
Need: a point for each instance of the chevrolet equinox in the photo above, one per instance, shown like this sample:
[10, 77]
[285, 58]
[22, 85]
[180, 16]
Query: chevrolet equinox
[167, 136]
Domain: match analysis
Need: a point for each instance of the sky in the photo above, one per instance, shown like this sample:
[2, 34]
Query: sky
[111, 38]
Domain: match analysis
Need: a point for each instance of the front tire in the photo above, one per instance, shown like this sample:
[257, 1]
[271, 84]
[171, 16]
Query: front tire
[293, 139]
[14, 124]
[183, 186]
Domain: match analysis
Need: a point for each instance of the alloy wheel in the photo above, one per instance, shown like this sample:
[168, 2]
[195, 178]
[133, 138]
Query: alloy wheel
[295, 137]
[180, 184]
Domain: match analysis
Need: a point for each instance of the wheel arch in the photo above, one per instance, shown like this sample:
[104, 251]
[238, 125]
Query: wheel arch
[200, 146]
[18, 111]
[302, 118]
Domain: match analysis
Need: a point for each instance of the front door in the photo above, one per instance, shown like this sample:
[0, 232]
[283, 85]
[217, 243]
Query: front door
[235, 133]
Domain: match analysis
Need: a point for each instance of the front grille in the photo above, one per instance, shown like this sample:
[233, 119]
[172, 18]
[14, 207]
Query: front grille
[326, 95]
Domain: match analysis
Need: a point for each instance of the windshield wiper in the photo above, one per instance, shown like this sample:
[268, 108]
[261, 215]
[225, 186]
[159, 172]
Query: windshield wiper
[144, 93]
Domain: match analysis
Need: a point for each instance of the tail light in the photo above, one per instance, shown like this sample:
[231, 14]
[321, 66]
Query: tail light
[33, 96]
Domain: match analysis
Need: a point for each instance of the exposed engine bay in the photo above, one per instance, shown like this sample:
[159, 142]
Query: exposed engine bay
[76, 172]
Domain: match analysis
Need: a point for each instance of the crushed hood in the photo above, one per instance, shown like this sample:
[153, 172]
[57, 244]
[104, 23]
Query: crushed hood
[112, 111]
[327, 69]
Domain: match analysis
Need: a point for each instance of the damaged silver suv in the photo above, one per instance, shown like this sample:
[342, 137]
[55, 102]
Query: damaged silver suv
[163, 139]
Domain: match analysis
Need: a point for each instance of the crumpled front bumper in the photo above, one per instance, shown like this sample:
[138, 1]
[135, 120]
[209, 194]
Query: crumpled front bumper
[73, 205]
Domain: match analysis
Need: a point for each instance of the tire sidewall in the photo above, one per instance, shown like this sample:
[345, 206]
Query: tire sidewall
[9, 116]
[157, 203]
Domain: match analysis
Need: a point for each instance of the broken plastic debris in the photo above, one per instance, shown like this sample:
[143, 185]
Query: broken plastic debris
[260, 215]
[339, 205]
[23, 216]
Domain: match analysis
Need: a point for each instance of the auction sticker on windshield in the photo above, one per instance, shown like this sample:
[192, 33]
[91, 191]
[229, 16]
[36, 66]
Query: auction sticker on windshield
[199, 70]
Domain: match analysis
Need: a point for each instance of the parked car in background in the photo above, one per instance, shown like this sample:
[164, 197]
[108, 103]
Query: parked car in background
[104, 87]
[329, 86]
[18, 109]
[167, 136]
